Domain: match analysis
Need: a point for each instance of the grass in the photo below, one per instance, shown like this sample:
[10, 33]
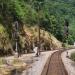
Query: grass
[73, 56]
[17, 64]
[33, 31]
[1, 62]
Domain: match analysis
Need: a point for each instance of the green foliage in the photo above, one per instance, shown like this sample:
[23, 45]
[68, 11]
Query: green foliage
[1, 63]
[73, 56]
[49, 13]
[24, 12]
[71, 39]
[4, 37]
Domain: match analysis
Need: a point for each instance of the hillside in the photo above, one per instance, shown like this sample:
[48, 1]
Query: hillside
[50, 15]
[28, 40]
[46, 39]
[64, 9]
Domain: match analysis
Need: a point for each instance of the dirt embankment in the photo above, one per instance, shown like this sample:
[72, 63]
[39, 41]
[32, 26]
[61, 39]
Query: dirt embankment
[47, 40]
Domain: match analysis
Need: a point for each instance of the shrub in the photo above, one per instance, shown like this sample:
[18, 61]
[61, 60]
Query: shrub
[73, 56]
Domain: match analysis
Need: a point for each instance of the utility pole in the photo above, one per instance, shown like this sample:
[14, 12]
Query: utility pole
[39, 4]
[66, 32]
[38, 8]
[39, 38]
[66, 26]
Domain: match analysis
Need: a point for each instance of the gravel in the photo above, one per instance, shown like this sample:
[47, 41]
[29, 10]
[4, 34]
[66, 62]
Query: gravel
[69, 64]
[38, 64]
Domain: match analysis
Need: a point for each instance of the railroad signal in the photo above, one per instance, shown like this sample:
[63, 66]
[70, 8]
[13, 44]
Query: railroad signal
[16, 25]
[16, 36]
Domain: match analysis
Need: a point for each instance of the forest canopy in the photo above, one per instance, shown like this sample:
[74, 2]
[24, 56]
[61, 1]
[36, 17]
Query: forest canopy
[51, 15]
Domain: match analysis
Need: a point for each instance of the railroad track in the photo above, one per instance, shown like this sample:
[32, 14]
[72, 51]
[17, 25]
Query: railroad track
[54, 65]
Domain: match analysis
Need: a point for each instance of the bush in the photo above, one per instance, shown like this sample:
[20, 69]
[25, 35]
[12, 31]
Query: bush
[73, 56]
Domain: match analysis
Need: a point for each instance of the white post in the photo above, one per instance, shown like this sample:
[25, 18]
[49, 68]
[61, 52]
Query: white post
[16, 54]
